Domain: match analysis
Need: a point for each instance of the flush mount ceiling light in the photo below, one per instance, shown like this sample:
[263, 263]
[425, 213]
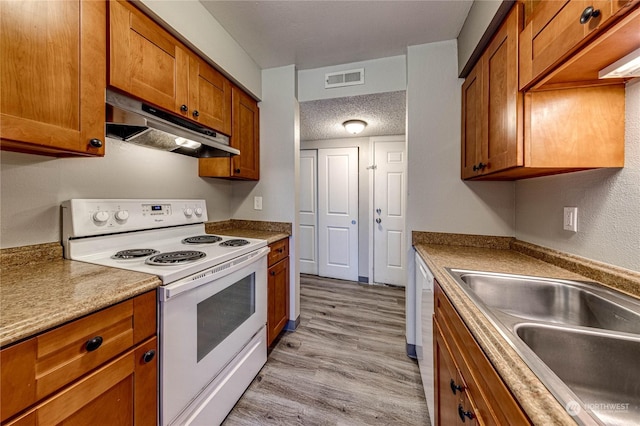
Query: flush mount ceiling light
[354, 126]
[629, 66]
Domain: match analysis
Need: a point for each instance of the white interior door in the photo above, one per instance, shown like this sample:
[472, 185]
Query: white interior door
[389, 236]
[338, 213]
[308, 235]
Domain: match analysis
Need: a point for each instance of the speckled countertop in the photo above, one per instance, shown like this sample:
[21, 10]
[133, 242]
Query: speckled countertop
[40, 290]
[508, 256]
[270, 231]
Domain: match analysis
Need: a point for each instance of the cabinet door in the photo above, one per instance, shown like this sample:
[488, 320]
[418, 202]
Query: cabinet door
[447, 382]
[554, 31]
[145, 61]
[52, 77]
[277, 299]
[245, 136]
[503, 104]
[122, 392]
[210, 96]
[472, 108]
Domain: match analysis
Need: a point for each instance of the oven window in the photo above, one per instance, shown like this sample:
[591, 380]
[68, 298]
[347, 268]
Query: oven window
[222, 313]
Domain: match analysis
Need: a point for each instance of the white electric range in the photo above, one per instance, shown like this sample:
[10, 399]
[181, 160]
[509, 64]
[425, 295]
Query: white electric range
[212, 302]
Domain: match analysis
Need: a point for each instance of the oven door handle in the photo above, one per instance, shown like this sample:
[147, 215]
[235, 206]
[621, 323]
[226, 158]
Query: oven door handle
[211, 274]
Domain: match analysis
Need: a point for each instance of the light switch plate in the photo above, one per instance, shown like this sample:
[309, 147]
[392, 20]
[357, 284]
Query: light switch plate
[257, 203]
[571, 219]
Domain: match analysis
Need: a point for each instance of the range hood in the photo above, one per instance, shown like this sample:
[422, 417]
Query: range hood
[137, 122]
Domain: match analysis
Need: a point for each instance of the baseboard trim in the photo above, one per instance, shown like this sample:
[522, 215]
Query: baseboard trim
[292, 324]
[411, 351]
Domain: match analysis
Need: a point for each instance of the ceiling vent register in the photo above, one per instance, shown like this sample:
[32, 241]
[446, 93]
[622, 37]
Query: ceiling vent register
[344, 78]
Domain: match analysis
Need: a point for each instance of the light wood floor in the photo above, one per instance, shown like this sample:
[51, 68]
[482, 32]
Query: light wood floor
[345, 364]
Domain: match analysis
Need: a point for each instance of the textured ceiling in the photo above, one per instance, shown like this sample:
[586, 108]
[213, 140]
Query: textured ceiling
[385, 114]
[313, 34]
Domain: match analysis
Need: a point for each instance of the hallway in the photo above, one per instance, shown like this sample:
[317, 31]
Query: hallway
[345, 365]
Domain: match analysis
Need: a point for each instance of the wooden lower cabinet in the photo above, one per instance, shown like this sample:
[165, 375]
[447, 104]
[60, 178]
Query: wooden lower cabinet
[277, 289]
[119, 393]
[467, 388]
[100, 369]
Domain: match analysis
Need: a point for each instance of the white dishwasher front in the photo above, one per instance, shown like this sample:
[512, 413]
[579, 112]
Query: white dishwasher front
[424, 329]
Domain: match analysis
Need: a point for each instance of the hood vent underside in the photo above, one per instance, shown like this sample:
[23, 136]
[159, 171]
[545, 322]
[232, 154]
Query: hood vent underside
[142, 124]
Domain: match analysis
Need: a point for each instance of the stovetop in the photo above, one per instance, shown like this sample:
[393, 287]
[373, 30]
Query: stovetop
[170, 252]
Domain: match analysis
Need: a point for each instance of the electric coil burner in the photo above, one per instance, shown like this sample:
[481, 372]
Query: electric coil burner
[134, 253]
[175, 257]
[234, 243]
[202, 239]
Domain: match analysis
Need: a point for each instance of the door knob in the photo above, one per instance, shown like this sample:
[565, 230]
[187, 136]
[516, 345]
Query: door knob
[378, 220]
[353, 222]
[379, 211]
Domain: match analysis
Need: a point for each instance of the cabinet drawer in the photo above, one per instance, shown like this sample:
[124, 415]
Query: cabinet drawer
[119, 393]
[279, 250]
[37, 367]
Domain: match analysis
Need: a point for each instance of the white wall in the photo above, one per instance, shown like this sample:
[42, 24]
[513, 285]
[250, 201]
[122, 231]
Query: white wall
[608, 202]
[380, 76]
[438, 199]
[478, 19]
[204, 33]
[364, 224]
[279, 166]
[33, 187]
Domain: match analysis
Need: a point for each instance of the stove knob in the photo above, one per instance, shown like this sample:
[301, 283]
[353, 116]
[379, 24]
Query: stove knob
[199, 211]
[188, 212]
[100, 217]
[122, 215]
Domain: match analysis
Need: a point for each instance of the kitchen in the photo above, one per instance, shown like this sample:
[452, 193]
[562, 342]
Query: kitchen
[33, 187]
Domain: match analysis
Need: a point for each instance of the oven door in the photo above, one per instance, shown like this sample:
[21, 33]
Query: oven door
[205, 321]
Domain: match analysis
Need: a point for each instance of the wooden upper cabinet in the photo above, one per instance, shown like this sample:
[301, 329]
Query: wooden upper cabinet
[52, 77]
[150, 64]
[209, 96]
[492, 105]
[502, 140]
[535, 133]
[472, 110]
[146, 61]
[554, 30]
[245, 136]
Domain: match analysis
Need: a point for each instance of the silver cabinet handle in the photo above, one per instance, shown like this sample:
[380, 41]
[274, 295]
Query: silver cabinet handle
[378, 220]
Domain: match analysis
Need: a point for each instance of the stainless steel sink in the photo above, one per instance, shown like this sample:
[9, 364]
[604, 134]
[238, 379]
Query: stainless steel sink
[603, 370]
[581, 339]
[558, 301]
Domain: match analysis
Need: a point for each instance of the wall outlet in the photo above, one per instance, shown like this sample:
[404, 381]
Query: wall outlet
[571, 219]
[257, 203]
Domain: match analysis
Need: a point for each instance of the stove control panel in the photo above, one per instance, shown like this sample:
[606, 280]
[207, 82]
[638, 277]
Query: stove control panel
[86, 217]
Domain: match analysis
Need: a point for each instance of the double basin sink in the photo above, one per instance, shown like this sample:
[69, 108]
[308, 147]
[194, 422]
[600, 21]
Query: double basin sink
[581, 339]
